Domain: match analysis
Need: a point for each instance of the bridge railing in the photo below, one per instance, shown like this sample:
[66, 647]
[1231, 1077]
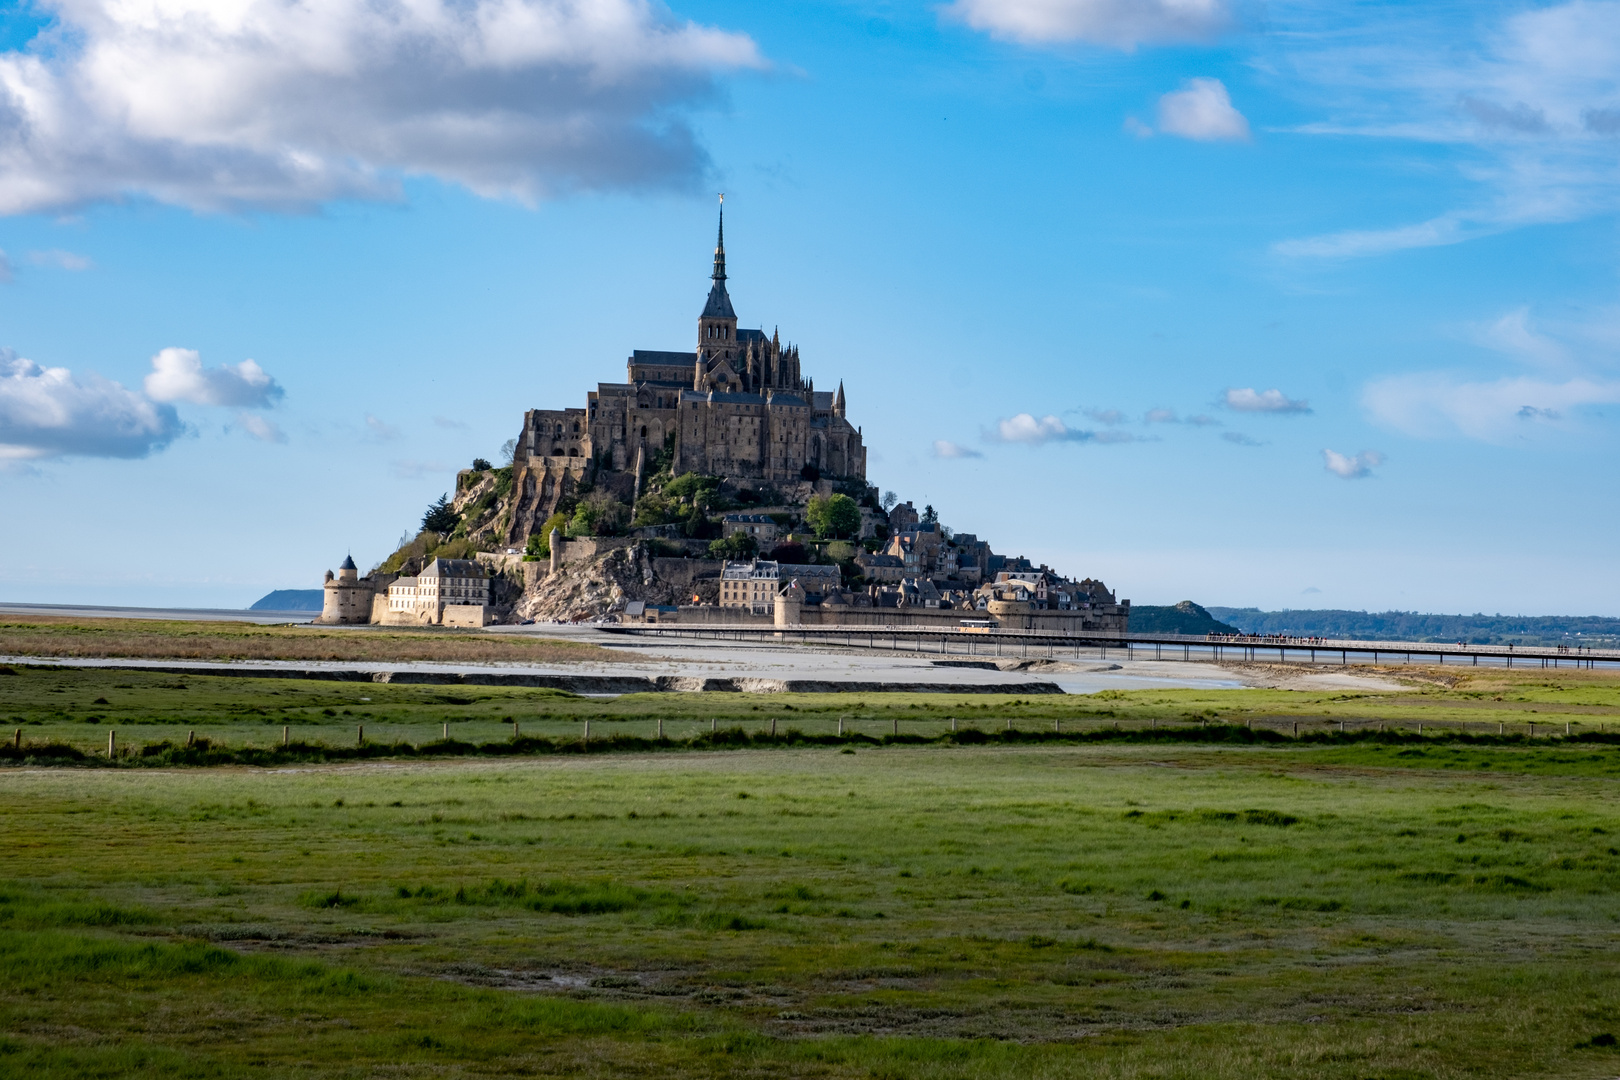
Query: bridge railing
[1251, 644]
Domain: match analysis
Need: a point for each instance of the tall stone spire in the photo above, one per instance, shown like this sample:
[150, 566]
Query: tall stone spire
[838, 400]
[720, 246]
[718, 306]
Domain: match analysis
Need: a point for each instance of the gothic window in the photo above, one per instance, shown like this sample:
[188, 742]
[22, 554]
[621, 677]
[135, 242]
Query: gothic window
[643, 431]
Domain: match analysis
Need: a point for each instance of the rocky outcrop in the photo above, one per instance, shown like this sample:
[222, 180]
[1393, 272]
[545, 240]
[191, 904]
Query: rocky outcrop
[602, 584]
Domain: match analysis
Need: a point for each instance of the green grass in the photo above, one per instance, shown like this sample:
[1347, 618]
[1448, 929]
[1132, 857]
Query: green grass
[165, 639]
[1111, 910]
[76, 707]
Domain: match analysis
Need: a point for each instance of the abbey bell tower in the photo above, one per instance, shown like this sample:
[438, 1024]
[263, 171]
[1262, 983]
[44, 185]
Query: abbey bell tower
[717, 326]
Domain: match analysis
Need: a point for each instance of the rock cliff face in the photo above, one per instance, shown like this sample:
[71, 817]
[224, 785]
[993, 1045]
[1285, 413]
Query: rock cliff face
[601, 584]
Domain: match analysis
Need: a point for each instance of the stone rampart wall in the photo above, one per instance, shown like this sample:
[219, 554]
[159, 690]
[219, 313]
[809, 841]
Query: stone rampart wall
[914, 618]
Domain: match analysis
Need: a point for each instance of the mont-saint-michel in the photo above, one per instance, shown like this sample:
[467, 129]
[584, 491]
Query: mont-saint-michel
[713, 486]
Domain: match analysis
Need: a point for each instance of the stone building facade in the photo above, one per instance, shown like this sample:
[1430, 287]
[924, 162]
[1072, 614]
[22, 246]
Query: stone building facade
[448, 592]
[737, 405]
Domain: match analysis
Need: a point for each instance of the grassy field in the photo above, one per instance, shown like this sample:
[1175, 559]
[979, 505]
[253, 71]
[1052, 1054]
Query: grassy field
[77, 707]
[1109, 911]
[1357, 906]
[71, 636]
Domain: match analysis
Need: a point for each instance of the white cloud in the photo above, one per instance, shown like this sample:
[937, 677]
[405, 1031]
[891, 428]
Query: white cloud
[1160, 416]
[944, 448]
[452, 425]
[1268, 401]
[61, 260]
[1111, 417]
[1514, 335]
[48, 412]
[289, 103]
[261, 428]
[1354, 243]
[1123, 24]
[1527, 99]
[178, 375]
[1133, 126]
[1202, 110]
[1203, 421]
[1240, 439]
[1030, 430]
[1026, 428]
[6, 274]
[1435, 404]
[410, 469]
[381, 430]
[1352, 467]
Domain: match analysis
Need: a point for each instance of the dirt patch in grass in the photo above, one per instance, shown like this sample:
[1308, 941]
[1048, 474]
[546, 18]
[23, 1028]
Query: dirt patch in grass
[62, 636]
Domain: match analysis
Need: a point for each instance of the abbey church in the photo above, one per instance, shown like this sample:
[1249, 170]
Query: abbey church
[736, 406]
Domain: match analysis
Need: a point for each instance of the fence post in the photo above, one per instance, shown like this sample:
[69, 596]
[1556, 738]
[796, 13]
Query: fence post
[445, 735]
[360, 736]
[661, 727]
[587, 729]
[17, 739]
[773, 727]
[840, 727]
[112, 744]
[191, 737]
[953, 723]
[711, 725]
[286, 738]
[897, 725]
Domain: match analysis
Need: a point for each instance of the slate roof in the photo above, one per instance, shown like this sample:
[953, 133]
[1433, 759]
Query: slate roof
[729, 399]
[464, 568]
[719, 305]
[347, 563]
[663, 356]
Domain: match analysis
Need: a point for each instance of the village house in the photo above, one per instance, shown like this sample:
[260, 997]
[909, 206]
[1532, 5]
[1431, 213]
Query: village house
[762, 527]
[448, 592]
[750, 585]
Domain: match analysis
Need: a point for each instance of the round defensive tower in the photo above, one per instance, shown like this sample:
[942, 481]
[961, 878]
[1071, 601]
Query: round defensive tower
[348, 599]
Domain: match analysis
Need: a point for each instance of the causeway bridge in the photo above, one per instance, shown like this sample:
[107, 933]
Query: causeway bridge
[991, 643]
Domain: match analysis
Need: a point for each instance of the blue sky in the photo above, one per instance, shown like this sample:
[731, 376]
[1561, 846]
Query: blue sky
[1294, 305]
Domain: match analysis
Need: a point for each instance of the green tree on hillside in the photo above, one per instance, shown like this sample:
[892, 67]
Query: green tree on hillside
[599, 514]
[834, 516]
[737, 547]
[440, 516]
